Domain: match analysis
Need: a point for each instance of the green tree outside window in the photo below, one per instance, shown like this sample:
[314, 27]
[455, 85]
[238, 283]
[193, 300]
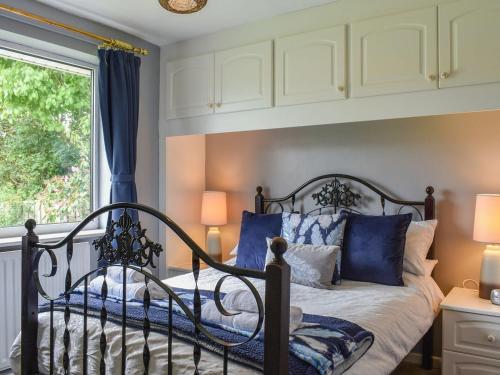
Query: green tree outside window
[45, 143]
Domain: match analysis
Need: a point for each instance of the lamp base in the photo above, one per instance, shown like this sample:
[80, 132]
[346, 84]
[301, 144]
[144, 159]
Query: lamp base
[214, 243]
[490, 271]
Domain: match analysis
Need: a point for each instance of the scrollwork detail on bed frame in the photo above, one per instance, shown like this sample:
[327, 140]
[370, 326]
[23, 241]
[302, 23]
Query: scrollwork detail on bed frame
[125, 242]
[125, 245]
[337, 193]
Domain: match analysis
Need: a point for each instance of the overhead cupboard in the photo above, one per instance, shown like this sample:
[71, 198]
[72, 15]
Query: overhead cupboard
[232, 80]
[436, 47]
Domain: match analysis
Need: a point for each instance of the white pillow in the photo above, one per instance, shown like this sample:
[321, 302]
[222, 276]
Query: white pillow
[311, 265]
[234, 252]
[419, 239]
[429, 266]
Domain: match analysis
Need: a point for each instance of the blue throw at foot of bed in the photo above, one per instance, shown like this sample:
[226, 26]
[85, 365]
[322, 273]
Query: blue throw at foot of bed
[323, 345]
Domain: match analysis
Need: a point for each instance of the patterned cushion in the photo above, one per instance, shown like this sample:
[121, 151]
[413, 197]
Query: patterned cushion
[316, 230]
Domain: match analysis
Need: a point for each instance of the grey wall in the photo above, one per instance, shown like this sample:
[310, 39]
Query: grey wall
[147, 161]
[458, 154]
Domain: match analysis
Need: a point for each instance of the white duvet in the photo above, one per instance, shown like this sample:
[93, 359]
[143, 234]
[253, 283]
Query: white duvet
[397, 316]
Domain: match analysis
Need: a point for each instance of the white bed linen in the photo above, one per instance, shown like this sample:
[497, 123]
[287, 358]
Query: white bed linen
[398, 317]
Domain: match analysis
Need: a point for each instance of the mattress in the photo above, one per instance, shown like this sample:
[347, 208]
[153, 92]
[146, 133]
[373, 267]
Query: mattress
[397, 316]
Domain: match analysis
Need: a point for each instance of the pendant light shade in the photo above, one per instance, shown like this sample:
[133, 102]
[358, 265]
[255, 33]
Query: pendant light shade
[183, 6]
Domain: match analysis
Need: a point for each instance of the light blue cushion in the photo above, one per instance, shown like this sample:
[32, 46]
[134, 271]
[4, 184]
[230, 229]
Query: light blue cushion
[310, 265]
[316, 230]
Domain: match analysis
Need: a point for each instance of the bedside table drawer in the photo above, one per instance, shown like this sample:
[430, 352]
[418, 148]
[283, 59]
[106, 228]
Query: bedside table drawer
[471, 333]
[466, 364]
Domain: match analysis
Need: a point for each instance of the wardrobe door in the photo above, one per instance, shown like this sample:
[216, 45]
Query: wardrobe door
[190, 87]
[394, 53]
[310, 67]
[243, 78]
[469, 42]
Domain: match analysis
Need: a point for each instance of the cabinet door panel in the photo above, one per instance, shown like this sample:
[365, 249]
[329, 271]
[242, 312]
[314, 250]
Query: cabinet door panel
[243, 78]
[469, 42]
[190, 87]
[395, 53]
[310, 67]
[455, 363]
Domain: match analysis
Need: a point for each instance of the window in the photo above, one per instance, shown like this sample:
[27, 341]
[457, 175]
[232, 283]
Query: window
[46, 140]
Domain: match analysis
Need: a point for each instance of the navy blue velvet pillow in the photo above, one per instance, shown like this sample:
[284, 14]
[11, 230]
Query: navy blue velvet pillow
[255, 228]
[373, 248]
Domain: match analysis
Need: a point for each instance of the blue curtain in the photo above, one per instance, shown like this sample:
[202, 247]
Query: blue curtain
[119, 106]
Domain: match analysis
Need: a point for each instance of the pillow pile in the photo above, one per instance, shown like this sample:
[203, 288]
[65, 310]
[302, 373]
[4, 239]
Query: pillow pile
[345, 246]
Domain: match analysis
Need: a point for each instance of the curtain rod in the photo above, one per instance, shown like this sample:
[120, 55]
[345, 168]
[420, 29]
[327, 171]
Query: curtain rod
[106, 42]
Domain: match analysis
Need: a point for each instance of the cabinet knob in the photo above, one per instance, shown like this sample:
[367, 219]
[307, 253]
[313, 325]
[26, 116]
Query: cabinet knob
[491, 338]
[341, 88]
[432, 77]
[210, 105]
[445, 75]
[219, 105]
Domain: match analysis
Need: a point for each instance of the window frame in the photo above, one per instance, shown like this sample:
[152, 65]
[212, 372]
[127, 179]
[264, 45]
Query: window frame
[72, 58]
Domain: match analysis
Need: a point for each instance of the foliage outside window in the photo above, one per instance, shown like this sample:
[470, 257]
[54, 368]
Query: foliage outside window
[45, 141]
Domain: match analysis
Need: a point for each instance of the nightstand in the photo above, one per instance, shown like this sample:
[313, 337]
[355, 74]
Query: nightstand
[471, 334]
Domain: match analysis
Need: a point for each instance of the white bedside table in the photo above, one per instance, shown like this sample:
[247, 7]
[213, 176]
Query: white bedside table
[471, 334]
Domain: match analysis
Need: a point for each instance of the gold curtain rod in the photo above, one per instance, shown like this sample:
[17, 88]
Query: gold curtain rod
[106, 42]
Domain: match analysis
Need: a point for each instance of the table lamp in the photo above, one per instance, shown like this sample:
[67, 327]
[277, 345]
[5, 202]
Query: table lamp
[213, 214]
[487, 230]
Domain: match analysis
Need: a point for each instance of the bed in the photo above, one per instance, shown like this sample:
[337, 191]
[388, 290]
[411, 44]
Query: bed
[399, 317]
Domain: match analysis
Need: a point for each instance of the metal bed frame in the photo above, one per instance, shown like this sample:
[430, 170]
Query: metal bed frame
[126, 245]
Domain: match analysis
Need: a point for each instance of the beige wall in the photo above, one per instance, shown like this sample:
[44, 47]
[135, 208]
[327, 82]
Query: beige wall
[185, 182]
[458, 154]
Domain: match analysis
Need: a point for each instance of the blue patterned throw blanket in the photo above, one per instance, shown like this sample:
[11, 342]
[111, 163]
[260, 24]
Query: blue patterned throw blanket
[323, 345]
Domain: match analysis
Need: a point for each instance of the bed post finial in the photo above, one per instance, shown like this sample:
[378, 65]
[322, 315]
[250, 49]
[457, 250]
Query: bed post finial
[30, 225]
[279, 247]
[29, 305]
[277, 322]
[429, 204]
[259, 201]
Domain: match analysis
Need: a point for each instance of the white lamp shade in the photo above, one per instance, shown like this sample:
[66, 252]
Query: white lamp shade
[487, 218]
[214, 208]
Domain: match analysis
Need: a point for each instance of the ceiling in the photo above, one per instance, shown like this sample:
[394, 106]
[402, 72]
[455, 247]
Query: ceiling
[148, 20]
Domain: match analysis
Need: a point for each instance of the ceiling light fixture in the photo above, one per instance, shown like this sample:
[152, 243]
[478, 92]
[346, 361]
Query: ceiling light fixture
[183, 6]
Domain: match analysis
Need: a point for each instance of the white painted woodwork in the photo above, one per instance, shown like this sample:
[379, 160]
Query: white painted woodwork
[394, 53]
[467, 300]
[371, 108]
[190, 87]
[311, 67]
[469, 42]
[244, 78]
[471, 334]
[400, 100]
[10, 288]
[466, 364]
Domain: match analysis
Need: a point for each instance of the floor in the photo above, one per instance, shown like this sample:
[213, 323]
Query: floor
[407, 368]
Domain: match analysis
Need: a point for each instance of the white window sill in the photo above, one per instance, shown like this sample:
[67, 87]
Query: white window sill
[11, 242]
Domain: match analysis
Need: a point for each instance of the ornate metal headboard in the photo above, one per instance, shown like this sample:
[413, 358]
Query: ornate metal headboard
[341, 191]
